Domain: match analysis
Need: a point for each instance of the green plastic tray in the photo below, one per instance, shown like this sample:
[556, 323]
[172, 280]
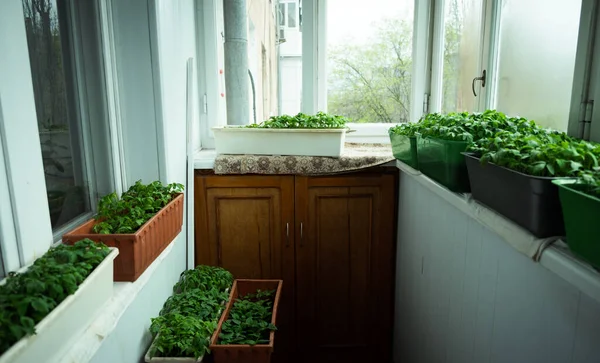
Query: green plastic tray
[442, 161]
[404, 149]
[581, 213]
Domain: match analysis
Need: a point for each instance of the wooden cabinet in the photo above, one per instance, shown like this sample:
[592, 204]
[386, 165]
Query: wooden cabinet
[331, 239]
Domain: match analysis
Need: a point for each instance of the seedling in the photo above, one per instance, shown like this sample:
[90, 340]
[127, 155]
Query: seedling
[249, 320]
[189, 317]
[302, 121]
[135, 207]
[28, 297]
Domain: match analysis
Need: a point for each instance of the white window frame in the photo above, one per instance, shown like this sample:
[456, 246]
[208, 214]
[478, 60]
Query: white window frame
[25, 228]
[314, 72]
[287, 9]
[209, 17]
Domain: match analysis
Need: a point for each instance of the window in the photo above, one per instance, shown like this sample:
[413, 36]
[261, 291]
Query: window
[282, 14]
[462, 49]
[369, 60]
[291, 18]
[288, 13]
[72, 129]
[290, 64]
[536, 60]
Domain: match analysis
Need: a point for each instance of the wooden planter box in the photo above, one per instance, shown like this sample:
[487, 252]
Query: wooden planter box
[137, 250]
[60, 329]
[260, 353]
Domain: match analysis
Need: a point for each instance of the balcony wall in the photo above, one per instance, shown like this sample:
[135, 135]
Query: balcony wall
[465, 295]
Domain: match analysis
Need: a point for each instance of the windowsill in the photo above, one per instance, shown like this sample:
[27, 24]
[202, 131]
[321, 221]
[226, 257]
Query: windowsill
[556, 258]
[105, 323]
[205, 159]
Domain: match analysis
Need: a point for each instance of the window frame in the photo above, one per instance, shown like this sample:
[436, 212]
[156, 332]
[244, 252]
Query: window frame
[210, 84]
[25, 229]
[314, 71]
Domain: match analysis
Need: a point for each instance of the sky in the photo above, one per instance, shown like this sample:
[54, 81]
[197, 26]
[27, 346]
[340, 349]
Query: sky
[353, 19]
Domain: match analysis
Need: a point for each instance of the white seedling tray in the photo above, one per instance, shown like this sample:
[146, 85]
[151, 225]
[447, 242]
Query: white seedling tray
[59, 329]
[307, 142]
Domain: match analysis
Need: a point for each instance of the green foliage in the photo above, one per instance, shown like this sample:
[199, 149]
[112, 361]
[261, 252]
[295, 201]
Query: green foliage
[370, 81]
[183, 336]
[249, 320]
[547, 153]
[189, 317]
[589, 182]
[135, 207]
[27, 297]
[204, 278]
[466, 126]
[302, 121]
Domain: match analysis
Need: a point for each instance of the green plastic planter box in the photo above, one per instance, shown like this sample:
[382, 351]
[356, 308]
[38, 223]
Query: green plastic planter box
[581, 213]
[442, 161]
[404, 149]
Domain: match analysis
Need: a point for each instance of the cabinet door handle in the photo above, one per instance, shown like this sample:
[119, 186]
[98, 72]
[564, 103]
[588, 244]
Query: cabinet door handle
[301, 234]
[287, 234]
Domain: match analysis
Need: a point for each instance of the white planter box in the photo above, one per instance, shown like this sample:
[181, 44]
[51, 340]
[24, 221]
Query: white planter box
[149, 359]
[59, 329]
[308, 142]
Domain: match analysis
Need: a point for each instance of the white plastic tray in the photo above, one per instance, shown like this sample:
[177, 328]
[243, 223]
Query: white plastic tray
[307, 142]
[59, 329]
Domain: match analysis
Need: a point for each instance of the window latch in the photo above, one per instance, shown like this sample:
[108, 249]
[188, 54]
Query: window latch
[482, 79]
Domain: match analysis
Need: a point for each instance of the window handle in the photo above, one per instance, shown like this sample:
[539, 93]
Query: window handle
[301, 234]
[482, 79]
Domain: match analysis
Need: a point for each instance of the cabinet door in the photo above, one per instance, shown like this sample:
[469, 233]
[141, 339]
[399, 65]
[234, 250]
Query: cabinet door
[245, 225]
[345, 266]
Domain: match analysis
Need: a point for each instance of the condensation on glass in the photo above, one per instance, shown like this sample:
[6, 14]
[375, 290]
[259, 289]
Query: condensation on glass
[538, 41]
[58, 124]
[369, 60]
[463, 26]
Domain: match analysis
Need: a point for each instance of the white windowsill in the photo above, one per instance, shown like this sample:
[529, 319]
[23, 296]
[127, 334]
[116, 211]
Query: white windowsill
[205, 159]
[556, 258]
[105, 323]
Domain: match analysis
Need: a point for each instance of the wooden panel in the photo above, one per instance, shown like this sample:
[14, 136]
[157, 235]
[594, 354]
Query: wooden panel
[245, 225]
[241, 224]
[344, 266]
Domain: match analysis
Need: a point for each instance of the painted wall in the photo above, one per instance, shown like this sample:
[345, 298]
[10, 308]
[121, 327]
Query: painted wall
[464, 295]
[170, 45]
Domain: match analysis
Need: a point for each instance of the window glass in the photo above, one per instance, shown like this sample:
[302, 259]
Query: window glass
[290, 69]
[282, 14]
[463, 25]
[58, 122]
[537, 59]
[291, 22]
[369, 59]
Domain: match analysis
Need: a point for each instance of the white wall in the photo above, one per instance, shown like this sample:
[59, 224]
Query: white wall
[464, 295]
[169, 47]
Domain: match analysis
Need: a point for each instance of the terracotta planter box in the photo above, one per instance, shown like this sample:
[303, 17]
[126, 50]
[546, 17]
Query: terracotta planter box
[137, 250]
[260, 353]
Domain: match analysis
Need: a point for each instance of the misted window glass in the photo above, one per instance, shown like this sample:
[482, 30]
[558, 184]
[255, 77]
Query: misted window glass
[538, 42]
[369, 59]
[58, 122]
